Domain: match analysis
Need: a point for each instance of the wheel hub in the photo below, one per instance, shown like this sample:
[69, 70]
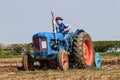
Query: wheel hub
[64, 60]
[87, 52]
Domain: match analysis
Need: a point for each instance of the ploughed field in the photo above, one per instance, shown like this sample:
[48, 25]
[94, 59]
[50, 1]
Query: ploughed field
[10, 69]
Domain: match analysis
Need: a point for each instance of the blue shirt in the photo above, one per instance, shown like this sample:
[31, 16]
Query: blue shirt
[60, 27]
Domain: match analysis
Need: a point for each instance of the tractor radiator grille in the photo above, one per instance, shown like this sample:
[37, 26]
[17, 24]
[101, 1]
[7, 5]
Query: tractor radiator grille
[36, 44]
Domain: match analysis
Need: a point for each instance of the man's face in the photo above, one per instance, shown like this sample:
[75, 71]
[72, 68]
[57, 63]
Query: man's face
[58, 21]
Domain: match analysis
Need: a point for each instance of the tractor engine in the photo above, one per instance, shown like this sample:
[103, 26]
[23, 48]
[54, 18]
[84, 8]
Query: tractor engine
[45, 46]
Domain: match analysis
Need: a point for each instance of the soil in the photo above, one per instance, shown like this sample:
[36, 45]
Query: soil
[10, 69]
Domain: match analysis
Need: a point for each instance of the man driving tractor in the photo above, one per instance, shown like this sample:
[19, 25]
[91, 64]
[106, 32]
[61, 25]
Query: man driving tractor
[63, 28]
[79, 53]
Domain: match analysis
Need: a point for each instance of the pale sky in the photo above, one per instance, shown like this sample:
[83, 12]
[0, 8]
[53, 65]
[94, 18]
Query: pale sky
[20, 19]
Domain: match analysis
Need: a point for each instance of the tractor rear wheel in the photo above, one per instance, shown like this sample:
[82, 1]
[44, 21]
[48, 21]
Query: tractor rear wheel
[63, 60]
[26, 62]
[83, 50]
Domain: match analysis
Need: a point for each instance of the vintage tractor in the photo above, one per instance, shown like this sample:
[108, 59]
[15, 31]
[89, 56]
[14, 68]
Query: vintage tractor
[49, 51]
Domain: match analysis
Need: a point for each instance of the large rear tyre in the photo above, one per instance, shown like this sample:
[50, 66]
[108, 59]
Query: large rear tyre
[63, 60]
[83, 50]
[27, 62]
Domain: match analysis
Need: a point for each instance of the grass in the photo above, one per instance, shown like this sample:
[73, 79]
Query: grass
[19, 56]
[31, 72]
[111, 74]
[40, 72]
[10, 56]
[109, 54]
[95, 68]
[52, 73]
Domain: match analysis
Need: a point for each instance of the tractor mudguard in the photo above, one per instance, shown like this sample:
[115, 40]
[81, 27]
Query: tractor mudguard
[73, 37]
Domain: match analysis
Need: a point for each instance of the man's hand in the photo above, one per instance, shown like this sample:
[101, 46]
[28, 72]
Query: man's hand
[65, 30]
[69, 28]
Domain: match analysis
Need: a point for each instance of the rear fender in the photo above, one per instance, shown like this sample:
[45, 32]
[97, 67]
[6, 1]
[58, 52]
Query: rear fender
[73, 37]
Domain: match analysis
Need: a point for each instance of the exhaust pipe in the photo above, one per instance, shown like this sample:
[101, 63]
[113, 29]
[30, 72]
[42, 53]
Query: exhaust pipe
[54, 27]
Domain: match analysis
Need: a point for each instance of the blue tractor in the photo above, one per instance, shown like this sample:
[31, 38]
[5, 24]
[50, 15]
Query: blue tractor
[49, 51]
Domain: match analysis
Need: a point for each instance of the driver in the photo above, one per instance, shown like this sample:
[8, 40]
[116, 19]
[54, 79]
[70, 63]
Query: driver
[63, 28]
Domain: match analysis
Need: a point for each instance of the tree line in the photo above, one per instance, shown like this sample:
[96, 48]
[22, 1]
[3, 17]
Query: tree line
[99, 46]
[15, 48]
[103, 46]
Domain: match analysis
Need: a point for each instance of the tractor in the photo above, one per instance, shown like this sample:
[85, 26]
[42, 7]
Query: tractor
[50, 52]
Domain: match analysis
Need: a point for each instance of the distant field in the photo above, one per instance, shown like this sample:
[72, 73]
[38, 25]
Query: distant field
[19, 56]
[109, 54]
[10, 56]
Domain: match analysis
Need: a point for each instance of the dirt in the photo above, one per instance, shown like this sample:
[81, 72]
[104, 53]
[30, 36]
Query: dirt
[10, 69]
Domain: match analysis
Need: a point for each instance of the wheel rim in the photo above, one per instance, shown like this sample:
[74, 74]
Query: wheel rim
[87, 51]
[97, 60]
[64, 61]
[53, 64]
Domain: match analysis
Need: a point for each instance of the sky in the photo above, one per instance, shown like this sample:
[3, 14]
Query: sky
[20, 19]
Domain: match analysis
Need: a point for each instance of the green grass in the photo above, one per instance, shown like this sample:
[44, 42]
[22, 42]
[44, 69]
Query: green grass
[111, 74]
[19, 56]
[31, 72]
[95, 68]
[10, 56]
[109, 54]
[41, 72]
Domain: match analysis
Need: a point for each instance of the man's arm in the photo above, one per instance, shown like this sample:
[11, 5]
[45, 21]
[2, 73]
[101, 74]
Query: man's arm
[68, 28]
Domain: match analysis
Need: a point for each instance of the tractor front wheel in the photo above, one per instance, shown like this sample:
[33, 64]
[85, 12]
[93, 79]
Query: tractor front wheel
[63, 60]
[27, 62]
